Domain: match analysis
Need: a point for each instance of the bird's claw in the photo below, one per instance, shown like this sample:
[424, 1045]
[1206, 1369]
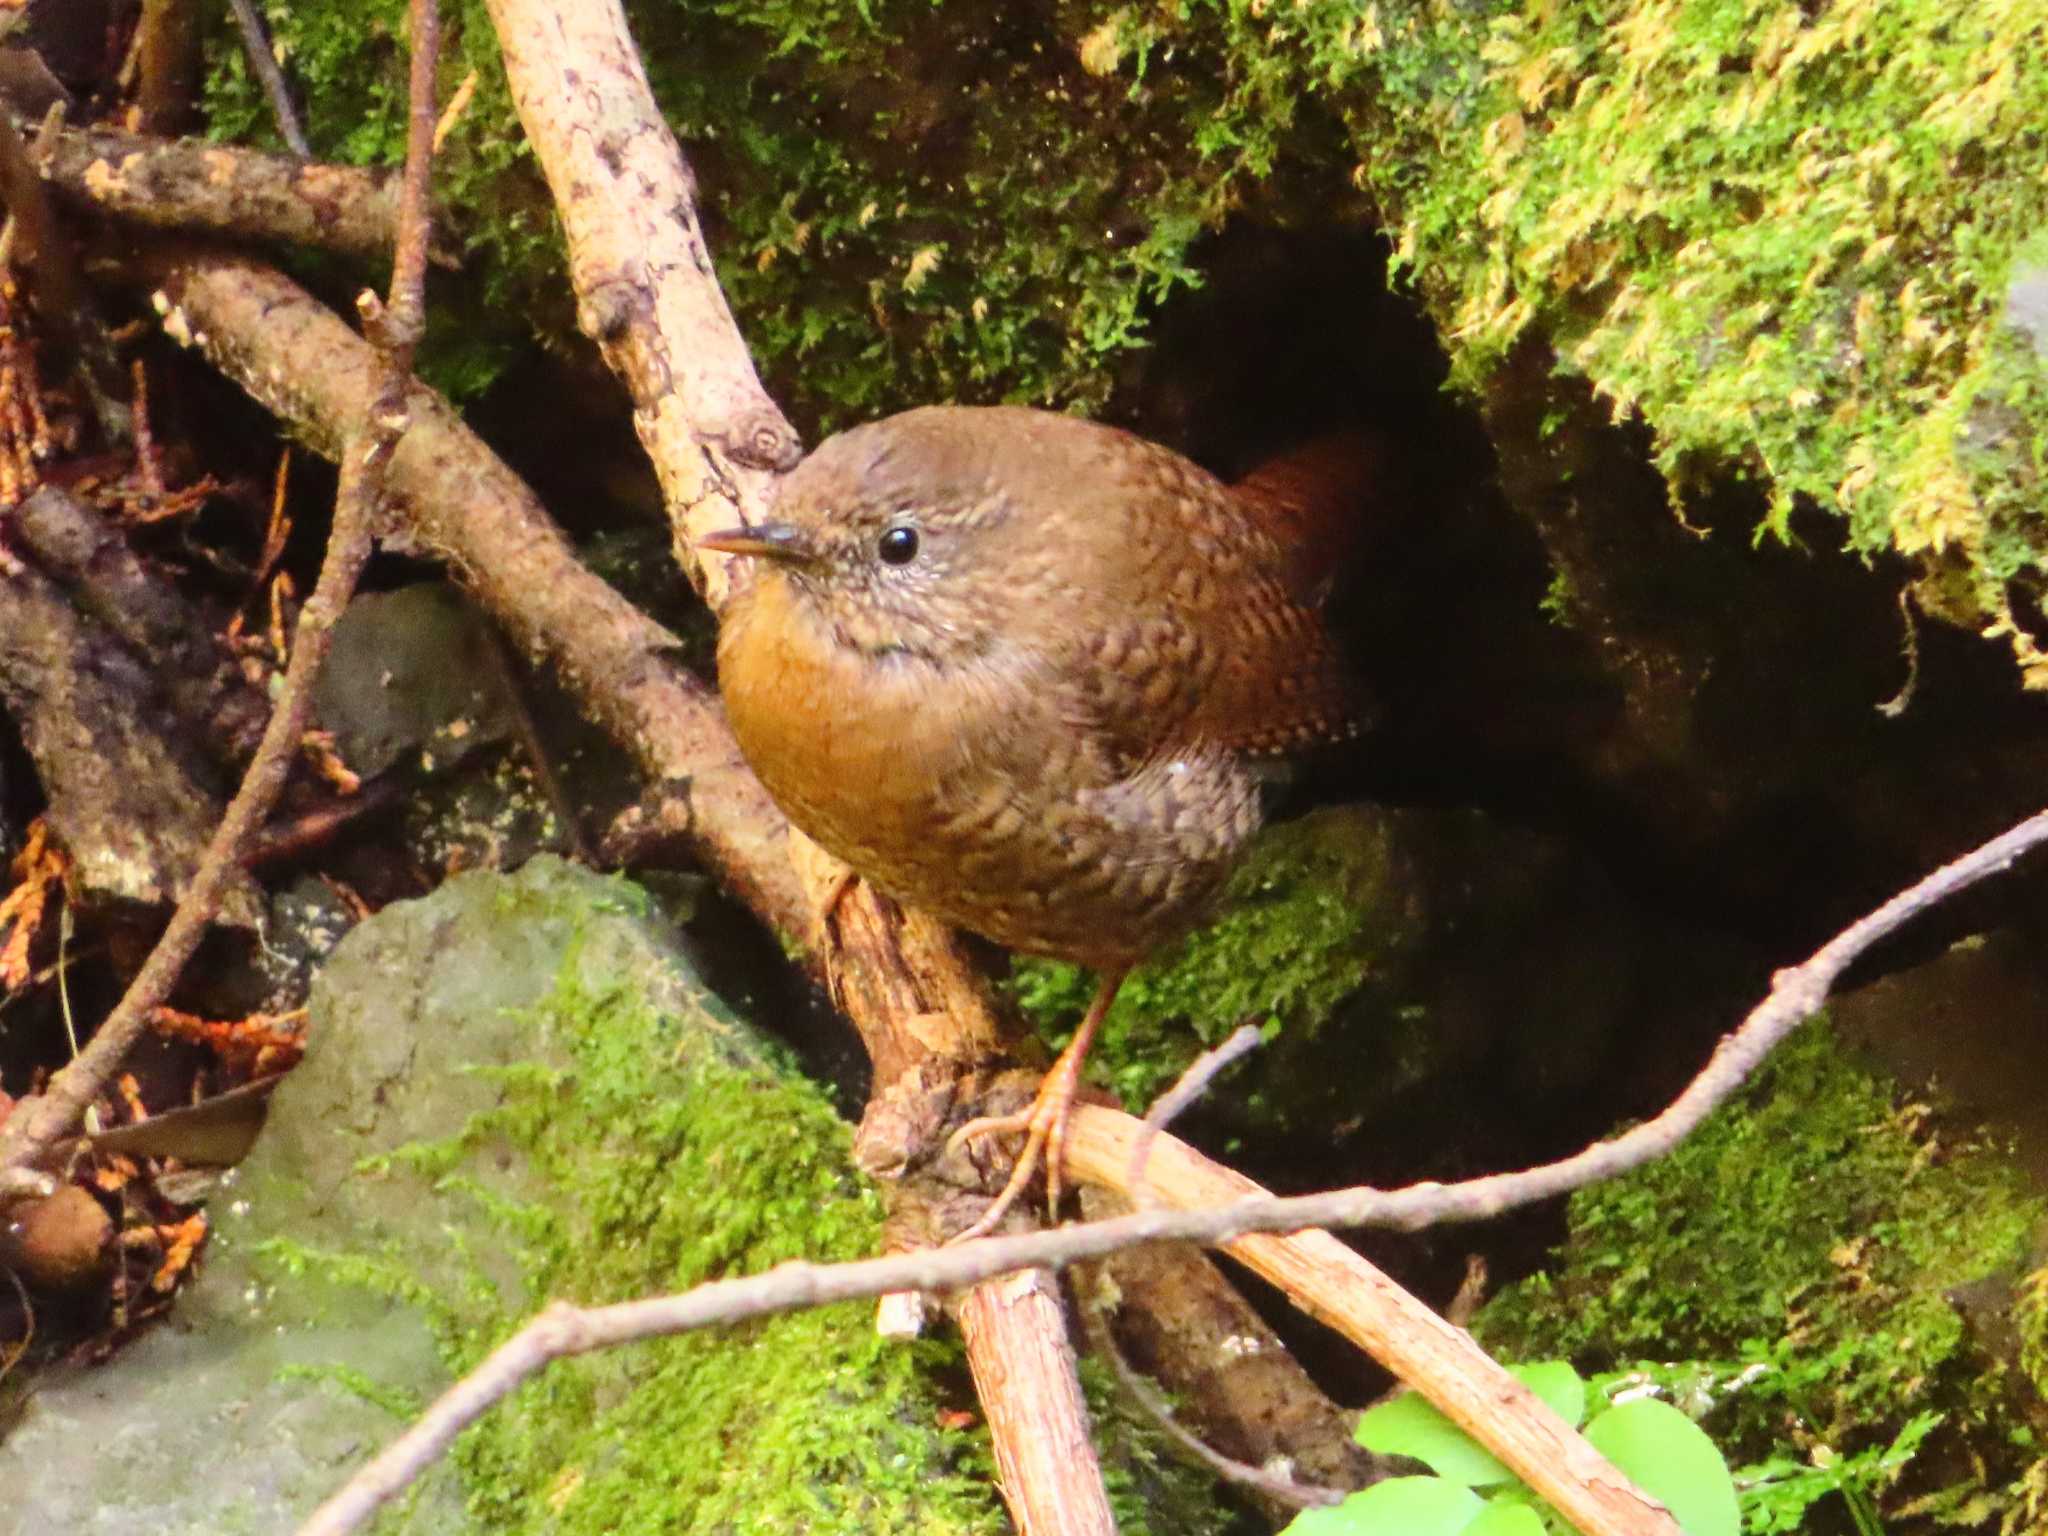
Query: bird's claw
[1044, 1126]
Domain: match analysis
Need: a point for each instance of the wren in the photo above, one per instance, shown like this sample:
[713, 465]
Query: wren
[1010, 666]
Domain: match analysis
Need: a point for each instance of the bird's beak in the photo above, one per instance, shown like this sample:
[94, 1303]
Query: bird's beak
[782, 542]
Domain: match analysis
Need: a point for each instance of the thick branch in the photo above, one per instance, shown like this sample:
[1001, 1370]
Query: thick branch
[127, 796]
[1015, 1331]
[1330, 1282]
[86, 551]
[461, 502]
[196, 187]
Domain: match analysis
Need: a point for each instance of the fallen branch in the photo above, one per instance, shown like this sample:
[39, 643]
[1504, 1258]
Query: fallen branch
[1014, 1331]
[168, 58]
[126, 793]
[107, 580]
[1316, 1272]
[196, 187]
[457, 500]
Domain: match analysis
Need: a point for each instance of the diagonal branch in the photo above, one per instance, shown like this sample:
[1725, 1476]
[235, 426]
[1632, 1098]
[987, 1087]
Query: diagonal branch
[642, 270]
[648, 295]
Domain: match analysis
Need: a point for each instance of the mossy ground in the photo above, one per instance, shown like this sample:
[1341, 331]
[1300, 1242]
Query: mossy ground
[1791, 1272]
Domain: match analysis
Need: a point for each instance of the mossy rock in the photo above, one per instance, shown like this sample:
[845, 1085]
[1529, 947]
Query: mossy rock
[1795, 1273]
[517, 1090]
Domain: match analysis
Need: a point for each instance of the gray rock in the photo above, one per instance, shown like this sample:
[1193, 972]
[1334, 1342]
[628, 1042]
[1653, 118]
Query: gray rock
[571, 1113]
[413, 675]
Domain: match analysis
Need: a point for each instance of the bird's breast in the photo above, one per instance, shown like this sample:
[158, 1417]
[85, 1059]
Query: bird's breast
[973, 791]
[851, 745]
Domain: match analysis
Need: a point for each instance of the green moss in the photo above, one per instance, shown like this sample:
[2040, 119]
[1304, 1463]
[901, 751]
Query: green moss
[1795, 1257]
[660, 1185]
[1302, 927]
[658, 1178]
[907, 202]
[1780, 233]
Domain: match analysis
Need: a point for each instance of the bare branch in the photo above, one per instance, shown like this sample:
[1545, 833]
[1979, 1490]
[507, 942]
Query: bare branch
[637, 255]
[221, 189]
[256, 45]
[1188, 1087]
[1015, 1332]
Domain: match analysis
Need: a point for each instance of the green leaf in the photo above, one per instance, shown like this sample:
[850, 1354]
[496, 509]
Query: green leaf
[1410, 1426]
[1558, 1385]
[1506, 1517]
[1669, 1456]
[1400, 1506]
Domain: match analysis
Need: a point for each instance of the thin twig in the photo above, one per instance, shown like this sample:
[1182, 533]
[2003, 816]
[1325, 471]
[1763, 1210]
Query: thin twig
[563, 1330]
[63, 301]
[256, 44]
[1191, 1085]
[38, 1122]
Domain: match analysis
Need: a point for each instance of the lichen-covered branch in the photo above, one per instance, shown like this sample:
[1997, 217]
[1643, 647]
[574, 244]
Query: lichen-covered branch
[201, 188]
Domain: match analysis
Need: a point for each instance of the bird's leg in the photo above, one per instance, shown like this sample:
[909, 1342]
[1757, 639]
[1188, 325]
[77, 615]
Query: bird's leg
[1045, 1123]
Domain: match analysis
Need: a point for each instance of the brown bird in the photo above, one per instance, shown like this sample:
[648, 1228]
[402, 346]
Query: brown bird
[1009, 666]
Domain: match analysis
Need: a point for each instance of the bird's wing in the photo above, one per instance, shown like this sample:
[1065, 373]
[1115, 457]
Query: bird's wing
[1279, 682]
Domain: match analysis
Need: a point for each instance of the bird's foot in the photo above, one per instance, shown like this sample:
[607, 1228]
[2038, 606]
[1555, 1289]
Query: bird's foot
[1044, 1126]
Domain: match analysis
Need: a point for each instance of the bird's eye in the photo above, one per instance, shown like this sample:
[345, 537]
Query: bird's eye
[898, 545]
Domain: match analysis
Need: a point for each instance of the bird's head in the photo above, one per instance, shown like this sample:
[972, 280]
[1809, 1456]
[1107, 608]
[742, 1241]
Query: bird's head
[901, 538]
